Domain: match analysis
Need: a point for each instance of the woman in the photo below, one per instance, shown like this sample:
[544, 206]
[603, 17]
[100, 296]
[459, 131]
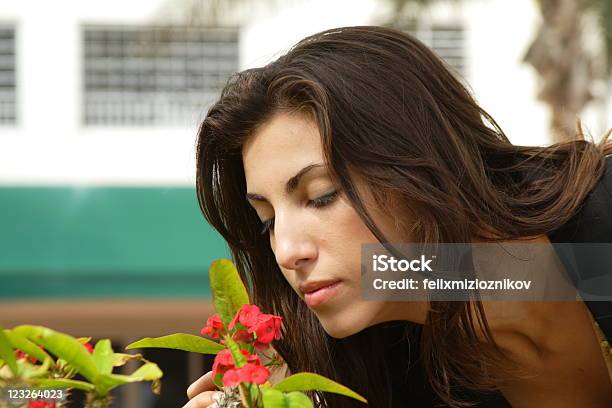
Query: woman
[360, 135]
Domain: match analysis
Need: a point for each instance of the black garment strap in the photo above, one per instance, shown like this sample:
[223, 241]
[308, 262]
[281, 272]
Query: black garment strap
[591, 224]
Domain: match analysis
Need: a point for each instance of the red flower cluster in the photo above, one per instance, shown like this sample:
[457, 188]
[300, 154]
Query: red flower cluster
[214, 327]
[255, 327]
[250, 325]
[41, 404]
[252, 371]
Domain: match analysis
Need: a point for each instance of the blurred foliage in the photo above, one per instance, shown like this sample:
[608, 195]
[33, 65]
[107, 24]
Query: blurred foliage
[603, 12]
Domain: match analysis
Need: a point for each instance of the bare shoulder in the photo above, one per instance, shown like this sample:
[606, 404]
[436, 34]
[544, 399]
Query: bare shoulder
[558, 347]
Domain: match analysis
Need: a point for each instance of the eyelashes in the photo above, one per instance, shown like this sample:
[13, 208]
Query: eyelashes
[267, 226]
[316, 203]
[323, 200]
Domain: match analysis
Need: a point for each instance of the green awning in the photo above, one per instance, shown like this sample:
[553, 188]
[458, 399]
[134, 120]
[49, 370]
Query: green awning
[58, 242]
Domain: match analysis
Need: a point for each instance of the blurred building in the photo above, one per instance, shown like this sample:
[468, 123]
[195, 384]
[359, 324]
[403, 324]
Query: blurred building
[100, 230]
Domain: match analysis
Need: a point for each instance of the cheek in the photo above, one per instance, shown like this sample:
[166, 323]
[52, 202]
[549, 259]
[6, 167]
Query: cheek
[345, 234]
[346, 227]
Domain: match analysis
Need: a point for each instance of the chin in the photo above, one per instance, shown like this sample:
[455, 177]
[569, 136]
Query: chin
[339, 326]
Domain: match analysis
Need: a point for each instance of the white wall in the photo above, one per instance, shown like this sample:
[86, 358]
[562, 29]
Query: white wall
[270, 33]
[49, 145]
[499, 34]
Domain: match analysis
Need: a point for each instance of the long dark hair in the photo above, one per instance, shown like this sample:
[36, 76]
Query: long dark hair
[390, 110]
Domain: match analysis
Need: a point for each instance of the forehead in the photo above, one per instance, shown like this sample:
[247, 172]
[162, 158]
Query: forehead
[282, 146]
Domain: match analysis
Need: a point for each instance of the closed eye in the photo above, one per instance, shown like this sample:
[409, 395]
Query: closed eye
[268, 225]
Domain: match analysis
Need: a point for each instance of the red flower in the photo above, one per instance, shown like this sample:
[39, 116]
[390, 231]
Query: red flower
[244, 336]
[41, 404]
[20, 354]
[257, 374]
[231, 378]
[223, 362]
[214, 327]
[251, 358]
[247, 316]
[232, 375]
[253, 373]
[89, 347]
[267, 329]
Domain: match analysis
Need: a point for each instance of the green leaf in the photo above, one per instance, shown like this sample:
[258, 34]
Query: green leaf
[103, 356]
[156, 387]
[106, 382]
[179, 341]
[61, 383]
[273, 398]
[218, 381]
[229, 292]
[63, 346]
[312, 381]
[234, 348]
[22, 343]
[253, 393]
[298, 399]
[8, 354]
[147, 372]
[120, 359]
[276, 399]
[32, 350]
[29, 370]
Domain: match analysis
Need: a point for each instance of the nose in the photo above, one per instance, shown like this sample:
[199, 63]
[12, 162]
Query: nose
[293, 244]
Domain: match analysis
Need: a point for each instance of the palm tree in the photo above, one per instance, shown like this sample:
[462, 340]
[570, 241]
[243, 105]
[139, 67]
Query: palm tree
[567, 69]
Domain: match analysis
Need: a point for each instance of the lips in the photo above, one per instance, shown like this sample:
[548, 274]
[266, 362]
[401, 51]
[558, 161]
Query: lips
[318, 292]
[307, 287]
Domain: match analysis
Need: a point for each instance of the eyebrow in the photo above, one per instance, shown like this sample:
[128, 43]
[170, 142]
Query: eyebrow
[291, 184]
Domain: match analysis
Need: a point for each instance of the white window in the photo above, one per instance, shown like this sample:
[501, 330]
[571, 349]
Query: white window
[445, 38]
[154, 75]
[8, 109]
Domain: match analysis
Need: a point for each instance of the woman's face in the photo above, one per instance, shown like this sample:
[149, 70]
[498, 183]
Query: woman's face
[316, 235]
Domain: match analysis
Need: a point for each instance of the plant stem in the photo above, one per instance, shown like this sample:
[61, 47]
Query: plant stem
[246, 394]
[95, 401]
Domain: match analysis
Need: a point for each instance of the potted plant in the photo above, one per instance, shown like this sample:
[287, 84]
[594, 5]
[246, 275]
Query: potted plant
[239, 332]
[38, 366]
